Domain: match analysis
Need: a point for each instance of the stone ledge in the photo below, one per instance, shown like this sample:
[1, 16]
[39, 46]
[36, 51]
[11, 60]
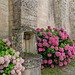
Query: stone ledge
[32, 61]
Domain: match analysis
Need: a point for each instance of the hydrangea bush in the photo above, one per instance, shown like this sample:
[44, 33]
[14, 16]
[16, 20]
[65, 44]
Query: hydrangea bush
[55, 46]
[10, 61]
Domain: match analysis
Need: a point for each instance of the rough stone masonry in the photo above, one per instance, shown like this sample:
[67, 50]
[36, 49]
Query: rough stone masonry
[19, 18]
[36, 13]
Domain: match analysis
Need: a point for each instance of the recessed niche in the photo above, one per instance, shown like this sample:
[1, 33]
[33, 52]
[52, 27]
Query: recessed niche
[29, 42]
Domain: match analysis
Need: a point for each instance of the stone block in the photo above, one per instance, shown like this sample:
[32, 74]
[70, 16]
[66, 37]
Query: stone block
[32, 65]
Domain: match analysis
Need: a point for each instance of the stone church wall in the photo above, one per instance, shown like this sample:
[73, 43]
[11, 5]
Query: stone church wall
[45, 13]
[56, 13]
[4, 23]
[72, 18]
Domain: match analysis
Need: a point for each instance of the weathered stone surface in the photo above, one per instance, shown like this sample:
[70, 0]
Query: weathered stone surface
[61, 14]
[33, 71]
[18, 39]
[4, 26]
[72, 19]
[33, 65]
[25, 13]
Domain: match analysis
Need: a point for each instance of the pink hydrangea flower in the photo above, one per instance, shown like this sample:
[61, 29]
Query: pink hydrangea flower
[50, 42]
[61, 58]
[45, 44]
[55, 60]
[42, 28]
[52, 65]
[69, 53]
[45, 61]
[1, 66]
[65, 63]
[42, 61]
[40, 44]
[58, 54]
[43, 34]
[7, 40]
[6, 58]
[63, 54]
[17, 71]
[60, 33]
[46, 36]
[68, 60]
[12, 71]
[44, 40]
[56, 43]
[38, 30]
[40, 49]
[4, 40]
[65, 37]
[50, 61]
[14, 62]
[8, 43]
[66, 47]
[68, 36]
[49, 27]
[39, 39]
[9, 56]
[53, 36]
[13, 57]
[56, 29]
[64, 32]
[52, 47]
[62, 29]
[73, 52]
[56, 48]
[70, 48]
[50, 34]
[1, 71]
[49, 54]
[60, 64]
[61, 49]
[43, 50]
[21, 60]
[51, 39]
[67, 56]
[42, 67]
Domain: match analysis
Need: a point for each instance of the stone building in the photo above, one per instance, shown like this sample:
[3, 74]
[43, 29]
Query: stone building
[19, 18]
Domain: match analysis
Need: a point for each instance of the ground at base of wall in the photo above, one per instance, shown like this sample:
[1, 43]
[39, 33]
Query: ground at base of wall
[65, 70]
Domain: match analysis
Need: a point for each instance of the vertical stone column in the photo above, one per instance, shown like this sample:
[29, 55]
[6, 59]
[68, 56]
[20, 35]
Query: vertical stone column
[57, 13]
[51, 13]
[10, 19]
[29, 13]
[42, 13]
[16, 13]
[4, 26]
[72, 19]
[25, 13]
[61, 14]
